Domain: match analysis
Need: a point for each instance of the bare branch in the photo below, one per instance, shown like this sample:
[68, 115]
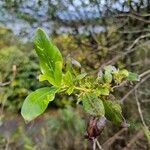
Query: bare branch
[144, 73]
[134, 139]
[128, 50]
[134, 17]
[98, 144]
[139, 109]
[94, 144]
[5, 83]
[111, 140]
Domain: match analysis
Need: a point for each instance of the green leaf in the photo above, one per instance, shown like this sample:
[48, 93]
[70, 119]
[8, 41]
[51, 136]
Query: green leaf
[133, 77]
[37, 101]
[107, 77]
[80, 76]
[92, 104]
[70, 90]
[68, 79]
[108, 73]
[50, 58]
[102, 91]
[112, 111]
[124, 72]
[109, 68]
[119, 75]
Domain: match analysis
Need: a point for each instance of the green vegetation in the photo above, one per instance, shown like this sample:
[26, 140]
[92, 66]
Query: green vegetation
[87, 89]
[93, 91]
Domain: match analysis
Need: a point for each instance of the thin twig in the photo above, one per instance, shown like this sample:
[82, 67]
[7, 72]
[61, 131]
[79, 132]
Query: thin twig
[111, 140]
[135, 87]
[140, 18]
[134, 139]
[128, 50]
[144, 73]
[98, 144]
[134, 31]
[94, 144]
[7, 144]
[5, 83]
[139, 109]
[120, 85]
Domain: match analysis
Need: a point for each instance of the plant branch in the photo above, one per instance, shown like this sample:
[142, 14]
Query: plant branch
[82, 89]
[94, 144]
[140, 18]
[144, 73]
[135, 87]
[98, 144]
[139, 109]
[134, 139]
[111, 140]
[128, 50]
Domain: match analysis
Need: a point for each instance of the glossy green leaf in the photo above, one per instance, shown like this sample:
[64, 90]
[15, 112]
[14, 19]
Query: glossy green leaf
[37, 101]
[112, 111]
[50, 58]
[133, 77]
[92, 104]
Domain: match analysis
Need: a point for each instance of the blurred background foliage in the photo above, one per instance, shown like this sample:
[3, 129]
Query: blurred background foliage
[93, 32]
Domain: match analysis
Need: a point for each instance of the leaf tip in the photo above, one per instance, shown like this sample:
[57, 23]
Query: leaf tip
[39, 29]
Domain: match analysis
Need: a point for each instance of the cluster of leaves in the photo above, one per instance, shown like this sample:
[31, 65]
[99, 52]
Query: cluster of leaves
[93, 91]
